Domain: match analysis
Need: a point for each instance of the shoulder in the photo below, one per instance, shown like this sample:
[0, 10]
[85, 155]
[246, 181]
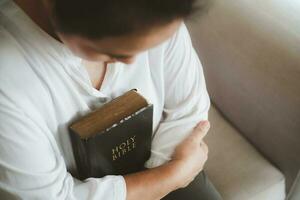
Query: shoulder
[174, 47]
[179, 45]
[12, 59]
[178, 42]
[174, 55]
[180, 37]
[11, 54]
[18, 80]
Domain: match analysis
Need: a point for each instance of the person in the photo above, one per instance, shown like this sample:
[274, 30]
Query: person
[60, 59]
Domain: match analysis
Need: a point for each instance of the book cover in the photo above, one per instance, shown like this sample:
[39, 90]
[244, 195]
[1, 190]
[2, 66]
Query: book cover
[118, 149]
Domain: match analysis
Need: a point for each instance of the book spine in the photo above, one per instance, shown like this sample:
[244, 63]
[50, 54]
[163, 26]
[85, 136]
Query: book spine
[81, 156]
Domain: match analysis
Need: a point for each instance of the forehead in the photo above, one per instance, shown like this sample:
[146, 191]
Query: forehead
[131, 43]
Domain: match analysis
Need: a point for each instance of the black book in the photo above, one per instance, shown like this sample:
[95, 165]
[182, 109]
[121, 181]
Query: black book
[114, 139]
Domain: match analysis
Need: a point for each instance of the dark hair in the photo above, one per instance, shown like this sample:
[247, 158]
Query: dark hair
[102, 18]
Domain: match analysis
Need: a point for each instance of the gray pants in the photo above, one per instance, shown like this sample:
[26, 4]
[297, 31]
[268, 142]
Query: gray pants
[199, 189]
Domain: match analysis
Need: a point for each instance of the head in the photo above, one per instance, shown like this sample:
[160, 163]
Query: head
[117, 30]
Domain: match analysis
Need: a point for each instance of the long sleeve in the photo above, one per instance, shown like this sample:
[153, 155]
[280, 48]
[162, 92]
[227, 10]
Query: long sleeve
[31, 169]
[186, 98]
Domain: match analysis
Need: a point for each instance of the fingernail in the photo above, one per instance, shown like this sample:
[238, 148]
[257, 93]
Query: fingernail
[203, 123]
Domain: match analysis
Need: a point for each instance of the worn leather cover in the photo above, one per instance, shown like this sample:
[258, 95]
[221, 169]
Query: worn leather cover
[118, 150]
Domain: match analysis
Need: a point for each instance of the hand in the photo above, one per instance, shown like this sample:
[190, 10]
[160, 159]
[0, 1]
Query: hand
[191, 154]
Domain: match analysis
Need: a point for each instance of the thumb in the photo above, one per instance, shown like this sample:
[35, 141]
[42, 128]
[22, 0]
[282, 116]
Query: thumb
[201, 129]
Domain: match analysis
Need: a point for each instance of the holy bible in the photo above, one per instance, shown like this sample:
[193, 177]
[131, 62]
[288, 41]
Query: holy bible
[114, 139]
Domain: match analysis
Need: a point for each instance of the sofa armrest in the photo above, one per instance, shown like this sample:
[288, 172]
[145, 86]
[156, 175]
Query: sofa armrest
[250, 54]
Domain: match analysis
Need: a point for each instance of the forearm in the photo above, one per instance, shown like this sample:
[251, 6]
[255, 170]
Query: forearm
[152, 184]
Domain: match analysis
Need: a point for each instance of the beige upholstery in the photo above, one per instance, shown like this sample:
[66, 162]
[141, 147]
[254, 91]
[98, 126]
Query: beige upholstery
[250, 50]
[237, 170]
[295, 191]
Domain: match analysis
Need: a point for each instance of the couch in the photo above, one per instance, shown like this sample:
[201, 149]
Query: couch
[250, 51]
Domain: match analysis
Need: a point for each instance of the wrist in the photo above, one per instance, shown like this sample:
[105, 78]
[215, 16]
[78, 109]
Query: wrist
[176, 173]
[153, 183]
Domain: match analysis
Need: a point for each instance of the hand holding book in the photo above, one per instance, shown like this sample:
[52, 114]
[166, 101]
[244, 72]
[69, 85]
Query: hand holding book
[191, 153]
[176, 178]
[116, 140]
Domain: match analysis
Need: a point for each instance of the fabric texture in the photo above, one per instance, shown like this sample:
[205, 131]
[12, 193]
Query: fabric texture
[236, 168]
[294, 194]
[250, 50]
[43, 86]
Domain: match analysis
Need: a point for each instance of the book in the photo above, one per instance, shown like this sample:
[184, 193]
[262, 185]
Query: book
[114, 139]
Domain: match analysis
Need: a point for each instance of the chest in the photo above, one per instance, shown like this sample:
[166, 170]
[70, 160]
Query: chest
[68, 94]
[96, 73]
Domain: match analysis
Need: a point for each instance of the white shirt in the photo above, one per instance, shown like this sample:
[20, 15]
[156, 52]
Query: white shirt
[43, 86]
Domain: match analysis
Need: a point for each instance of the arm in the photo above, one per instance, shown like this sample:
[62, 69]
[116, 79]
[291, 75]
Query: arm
[153, 184]
[31, 164]
[186, 99]
[32, 168]
[186, 103]
[187, 161]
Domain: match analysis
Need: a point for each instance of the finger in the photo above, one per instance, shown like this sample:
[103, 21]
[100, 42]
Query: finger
[201, 130]
[204, 147]
[203, 124]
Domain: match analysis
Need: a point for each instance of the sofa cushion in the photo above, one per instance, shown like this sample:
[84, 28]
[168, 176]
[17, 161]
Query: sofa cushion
[295, 191]
[250, 54]
[236, 168]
